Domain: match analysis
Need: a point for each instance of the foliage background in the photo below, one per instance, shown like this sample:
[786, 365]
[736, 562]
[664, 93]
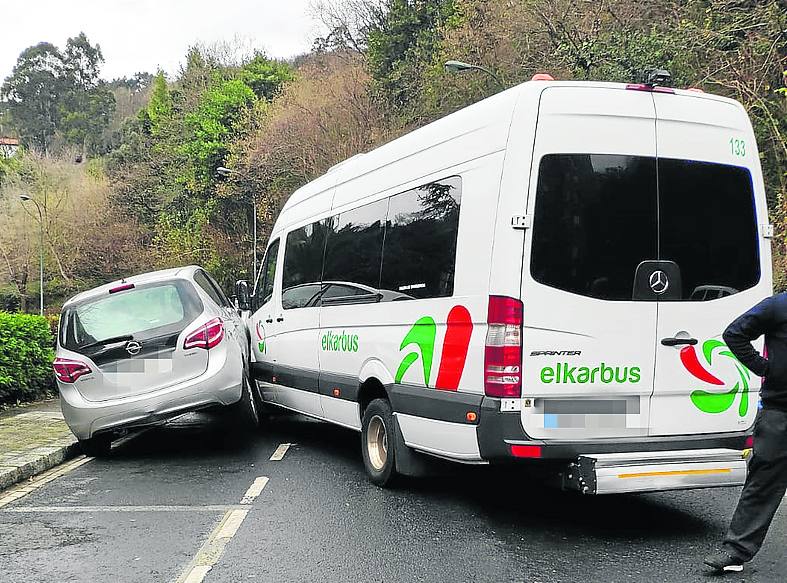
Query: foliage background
[25, 358]
[139, 190]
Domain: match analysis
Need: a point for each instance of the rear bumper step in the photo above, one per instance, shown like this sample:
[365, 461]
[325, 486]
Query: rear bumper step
[615, 473]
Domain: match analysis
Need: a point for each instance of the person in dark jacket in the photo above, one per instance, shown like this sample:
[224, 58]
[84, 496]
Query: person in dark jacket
[766, 482]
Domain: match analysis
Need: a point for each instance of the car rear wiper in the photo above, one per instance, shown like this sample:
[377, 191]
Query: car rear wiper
[113, 340]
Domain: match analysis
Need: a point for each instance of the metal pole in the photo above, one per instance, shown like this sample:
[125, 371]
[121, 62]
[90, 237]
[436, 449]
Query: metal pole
[254, 236]
[40, 260]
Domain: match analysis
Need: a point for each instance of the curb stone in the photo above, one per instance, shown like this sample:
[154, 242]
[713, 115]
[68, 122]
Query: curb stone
[10, 475]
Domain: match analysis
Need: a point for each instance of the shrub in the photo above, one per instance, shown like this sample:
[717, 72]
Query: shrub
[26, 354]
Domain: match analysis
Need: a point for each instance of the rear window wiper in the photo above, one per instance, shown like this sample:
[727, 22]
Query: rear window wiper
[113, 340]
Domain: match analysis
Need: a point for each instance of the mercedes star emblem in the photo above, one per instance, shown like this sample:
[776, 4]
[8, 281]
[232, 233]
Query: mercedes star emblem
[133, 347]
[659, 282]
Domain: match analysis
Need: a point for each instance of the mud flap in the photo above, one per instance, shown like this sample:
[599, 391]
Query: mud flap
[408, 461]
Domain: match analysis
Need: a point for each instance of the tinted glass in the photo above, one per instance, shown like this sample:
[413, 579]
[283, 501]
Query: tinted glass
[268, 274]
[708, 227]
[143, 312]
[303, 256]
[343, 291]
[202, 280]
[419, 254]
[300, 296]
[595, 222]
[355, 245]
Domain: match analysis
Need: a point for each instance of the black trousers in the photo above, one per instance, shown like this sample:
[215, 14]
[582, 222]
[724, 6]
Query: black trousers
[765, 486]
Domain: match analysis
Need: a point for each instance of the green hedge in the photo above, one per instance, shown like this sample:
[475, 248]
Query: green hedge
[26, 354]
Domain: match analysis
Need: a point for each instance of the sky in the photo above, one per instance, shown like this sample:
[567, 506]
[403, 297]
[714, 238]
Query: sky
[145, 35]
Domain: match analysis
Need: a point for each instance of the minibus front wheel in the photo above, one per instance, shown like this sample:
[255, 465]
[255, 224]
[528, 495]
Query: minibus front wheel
[377, 442]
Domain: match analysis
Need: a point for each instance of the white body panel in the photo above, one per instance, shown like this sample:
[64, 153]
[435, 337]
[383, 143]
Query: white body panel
[496, 148]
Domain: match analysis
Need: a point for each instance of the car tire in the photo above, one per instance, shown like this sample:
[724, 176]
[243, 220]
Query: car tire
[377, 443]
[246, 410]
[98, 446]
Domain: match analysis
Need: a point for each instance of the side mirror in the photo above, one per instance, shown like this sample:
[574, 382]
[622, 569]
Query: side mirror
[242, 295]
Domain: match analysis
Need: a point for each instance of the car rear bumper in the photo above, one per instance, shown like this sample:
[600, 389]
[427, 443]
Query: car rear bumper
[221, 384]
[498, 431]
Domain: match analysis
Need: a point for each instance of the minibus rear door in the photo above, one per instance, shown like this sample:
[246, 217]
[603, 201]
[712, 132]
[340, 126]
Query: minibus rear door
[711, 208]
[588, 342]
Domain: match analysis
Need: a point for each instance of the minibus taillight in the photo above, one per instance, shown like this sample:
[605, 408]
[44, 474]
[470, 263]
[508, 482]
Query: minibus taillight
[68, 371]
[503, 353]
[206, 336]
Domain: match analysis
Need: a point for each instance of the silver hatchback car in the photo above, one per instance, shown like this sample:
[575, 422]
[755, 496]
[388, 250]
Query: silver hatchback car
[148, 348]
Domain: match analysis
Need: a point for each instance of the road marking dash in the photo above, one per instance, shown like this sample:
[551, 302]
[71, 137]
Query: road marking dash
[254, 490]
[19, 491]
[197, 574]
[278, 455]
[232, 523]
[163, 508]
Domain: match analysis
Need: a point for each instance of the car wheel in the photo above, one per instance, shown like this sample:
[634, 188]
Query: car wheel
[246, 409]
[377, 442]
[98, 446]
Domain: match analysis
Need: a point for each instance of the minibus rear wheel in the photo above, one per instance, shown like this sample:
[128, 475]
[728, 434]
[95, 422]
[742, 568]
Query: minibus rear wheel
[377, 442]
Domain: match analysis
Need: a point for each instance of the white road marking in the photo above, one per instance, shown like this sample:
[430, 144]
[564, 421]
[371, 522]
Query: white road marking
[21, 490]
[210, 552]
[278, 455]
[232, 523]
[55, 509]
[197, 574]
[254, 490]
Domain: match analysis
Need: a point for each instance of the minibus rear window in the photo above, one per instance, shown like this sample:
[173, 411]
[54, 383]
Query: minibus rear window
[598, 217]
[708, 227]
[595, 222]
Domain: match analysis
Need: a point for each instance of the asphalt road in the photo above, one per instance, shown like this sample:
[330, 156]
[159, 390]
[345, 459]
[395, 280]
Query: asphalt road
[170, 502]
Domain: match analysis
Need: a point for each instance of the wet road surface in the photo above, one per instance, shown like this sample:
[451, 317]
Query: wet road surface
[190, 502]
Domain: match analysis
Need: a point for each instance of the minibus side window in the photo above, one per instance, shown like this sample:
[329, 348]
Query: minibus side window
[303, 258]
[595, 222]
[267, 275]
[708, 227]
[419, 254]
[355, 248]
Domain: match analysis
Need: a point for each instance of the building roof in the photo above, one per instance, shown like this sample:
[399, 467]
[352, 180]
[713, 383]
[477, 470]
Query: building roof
[8, 141]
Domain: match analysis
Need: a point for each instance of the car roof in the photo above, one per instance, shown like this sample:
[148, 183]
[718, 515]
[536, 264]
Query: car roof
[141, 278]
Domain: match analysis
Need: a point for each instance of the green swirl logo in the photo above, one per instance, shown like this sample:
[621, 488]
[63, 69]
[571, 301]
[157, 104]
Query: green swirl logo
[711, 401]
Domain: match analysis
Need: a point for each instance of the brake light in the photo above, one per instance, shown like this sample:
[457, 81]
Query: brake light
[529, 451]
[206, 336]
[68, 371]
[120, 288]
[749, 443]
[649, 88]
[503, 352]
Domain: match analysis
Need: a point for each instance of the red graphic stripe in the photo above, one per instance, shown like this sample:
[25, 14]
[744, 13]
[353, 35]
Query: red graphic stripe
[457, 341]
[688, 356]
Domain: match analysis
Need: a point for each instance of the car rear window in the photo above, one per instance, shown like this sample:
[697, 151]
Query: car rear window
[143, 312]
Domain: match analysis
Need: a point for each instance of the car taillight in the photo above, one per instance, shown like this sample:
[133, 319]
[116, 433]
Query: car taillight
[206, 336]
[503, 353]
[68, 371]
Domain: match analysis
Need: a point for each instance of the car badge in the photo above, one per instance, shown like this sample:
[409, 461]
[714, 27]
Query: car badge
[133, 347]
[659, 282]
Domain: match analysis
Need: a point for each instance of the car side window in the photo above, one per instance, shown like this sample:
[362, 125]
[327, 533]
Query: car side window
[201, 279]
[224, 299]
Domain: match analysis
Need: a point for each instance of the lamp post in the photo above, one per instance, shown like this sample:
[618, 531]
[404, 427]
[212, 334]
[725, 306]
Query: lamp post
[460, 67]
[26, 198]
[226, 172]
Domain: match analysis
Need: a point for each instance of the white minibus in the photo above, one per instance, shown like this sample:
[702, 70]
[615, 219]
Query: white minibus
[541, 277]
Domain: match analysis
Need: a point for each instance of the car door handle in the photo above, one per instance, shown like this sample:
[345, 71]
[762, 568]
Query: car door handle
[678, 341]
[269, 320]
[280, 319]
